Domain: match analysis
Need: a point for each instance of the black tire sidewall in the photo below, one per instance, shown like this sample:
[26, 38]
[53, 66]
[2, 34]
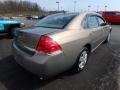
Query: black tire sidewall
[76, 65]
[106, 41]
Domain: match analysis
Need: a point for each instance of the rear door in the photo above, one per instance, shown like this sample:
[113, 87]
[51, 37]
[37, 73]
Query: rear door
[95, 30]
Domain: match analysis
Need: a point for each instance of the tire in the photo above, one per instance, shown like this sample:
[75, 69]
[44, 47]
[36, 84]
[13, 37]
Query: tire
[11, 33]
[108, 38]
[80, 63]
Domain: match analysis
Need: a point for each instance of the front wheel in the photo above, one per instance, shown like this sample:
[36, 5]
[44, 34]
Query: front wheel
[108, 38]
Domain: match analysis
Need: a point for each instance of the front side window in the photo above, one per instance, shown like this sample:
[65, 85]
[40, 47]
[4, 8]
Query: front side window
[100, 20]
[92, 22]
[56, 21]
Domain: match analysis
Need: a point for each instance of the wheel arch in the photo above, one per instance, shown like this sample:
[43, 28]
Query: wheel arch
[88, 46]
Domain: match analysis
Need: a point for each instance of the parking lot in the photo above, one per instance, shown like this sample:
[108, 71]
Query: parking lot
[101, 73]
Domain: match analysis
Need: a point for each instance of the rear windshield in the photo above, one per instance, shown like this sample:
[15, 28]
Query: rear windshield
[56, 21]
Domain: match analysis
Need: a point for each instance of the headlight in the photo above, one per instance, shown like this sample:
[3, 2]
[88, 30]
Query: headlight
[22, 25]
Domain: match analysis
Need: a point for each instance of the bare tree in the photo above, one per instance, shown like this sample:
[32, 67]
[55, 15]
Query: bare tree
[19, 7]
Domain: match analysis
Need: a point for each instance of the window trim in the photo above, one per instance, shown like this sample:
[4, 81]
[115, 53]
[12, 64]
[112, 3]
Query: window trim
[98, 20]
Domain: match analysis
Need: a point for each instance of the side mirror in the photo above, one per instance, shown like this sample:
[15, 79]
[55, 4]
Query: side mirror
[108, 23]
[103, 24]
[2, 27]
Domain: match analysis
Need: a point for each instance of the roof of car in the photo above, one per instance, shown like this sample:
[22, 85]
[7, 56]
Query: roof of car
[66, 13]
[81, 13]
[109, 11]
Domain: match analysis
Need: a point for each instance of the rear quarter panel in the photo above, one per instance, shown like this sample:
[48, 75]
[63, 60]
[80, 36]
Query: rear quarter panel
[72, 42]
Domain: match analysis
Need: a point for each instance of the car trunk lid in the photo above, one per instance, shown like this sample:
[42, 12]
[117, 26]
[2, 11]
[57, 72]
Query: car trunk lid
[29, 37]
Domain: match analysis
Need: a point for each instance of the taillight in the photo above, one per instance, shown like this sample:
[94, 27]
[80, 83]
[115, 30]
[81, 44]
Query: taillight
[47, 45]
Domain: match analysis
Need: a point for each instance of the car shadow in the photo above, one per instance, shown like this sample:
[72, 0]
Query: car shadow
[3, 36]
[14, 77]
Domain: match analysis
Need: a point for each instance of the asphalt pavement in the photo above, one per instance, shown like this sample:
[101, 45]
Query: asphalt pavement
[101, 72]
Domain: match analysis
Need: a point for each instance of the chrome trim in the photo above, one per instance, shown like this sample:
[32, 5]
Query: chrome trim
[97, 46]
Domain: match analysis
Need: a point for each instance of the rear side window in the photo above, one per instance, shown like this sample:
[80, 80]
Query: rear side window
[84, 23]
[56, 21]
[92, 22]
[100, 20]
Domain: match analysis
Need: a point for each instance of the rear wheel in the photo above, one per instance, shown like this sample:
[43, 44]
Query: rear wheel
[81, 60]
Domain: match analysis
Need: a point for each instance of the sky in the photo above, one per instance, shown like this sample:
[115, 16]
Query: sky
[81, 5]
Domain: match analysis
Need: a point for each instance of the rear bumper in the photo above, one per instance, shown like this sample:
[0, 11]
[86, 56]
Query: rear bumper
[40, 64]
[3, 31]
